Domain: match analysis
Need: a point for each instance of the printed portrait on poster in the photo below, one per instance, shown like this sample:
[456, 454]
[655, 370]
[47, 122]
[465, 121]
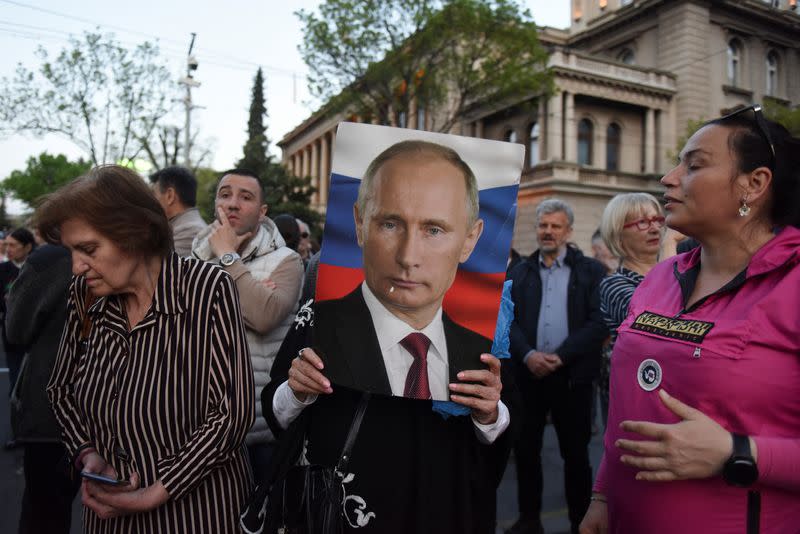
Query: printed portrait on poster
[417, 236]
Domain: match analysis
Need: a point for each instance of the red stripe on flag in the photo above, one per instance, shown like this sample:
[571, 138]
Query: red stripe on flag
[473, 300]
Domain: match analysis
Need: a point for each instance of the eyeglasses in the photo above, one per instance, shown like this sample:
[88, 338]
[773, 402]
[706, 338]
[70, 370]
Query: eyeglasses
[644, 224]
[758, 118]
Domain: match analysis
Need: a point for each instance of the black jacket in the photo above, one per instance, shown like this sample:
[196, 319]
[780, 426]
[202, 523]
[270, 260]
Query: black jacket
[37, 313]
[345, 339]
[417, 471]
[581, 351]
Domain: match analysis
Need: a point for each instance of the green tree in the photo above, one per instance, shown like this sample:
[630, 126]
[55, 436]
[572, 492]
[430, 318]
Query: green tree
[376, 57]
[103, 97]
[43, 174]
[284, 193]
[787, 116]
[256, 156]
[206, 191]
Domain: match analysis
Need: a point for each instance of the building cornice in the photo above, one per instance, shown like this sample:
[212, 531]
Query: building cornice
[623, 17]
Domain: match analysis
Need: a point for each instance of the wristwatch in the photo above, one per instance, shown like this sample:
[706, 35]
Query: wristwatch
[740, 470]
[228, 258]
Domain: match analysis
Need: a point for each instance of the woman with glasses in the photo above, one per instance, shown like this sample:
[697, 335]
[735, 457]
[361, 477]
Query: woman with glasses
[632, 228]
[704, 415]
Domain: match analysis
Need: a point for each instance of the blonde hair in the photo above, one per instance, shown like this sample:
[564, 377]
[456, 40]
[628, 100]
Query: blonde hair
[616, 213]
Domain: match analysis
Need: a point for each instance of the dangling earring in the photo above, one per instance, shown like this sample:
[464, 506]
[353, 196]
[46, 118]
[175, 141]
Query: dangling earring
[744, 209]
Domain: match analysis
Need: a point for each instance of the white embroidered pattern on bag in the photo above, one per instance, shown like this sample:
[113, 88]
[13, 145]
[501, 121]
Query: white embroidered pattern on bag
[361, 518]
[305, 315]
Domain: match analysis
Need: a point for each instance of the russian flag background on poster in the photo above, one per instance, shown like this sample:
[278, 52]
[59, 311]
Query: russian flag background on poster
[473, 300]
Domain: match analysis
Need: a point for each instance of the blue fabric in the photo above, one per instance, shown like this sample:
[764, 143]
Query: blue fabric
[500, 348]
[553, 327]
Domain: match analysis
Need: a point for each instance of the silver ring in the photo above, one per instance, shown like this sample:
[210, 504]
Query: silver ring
[300, 352]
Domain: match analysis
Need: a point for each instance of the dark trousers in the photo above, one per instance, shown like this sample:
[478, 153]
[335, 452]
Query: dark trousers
[570, 406]
[47, 500]
[260, 454]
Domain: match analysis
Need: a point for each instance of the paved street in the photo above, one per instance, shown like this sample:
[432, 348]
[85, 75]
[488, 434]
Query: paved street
[554, 518]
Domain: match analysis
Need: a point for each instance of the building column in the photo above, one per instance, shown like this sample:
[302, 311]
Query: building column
[570, 129]
[479, 128]
[315, 170]
[324, 170]
[305, 163]
[650, 141]
[553, 130]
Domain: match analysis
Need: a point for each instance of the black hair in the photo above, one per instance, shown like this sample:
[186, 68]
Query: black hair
[250, 174]
[289, 229]
[24, 236]
[751, 149]
[181, 180]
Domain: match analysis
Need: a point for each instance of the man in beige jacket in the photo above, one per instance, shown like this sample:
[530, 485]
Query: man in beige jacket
[268, 275]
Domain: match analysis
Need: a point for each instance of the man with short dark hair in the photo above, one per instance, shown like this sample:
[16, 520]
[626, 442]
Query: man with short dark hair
[556, 338]
[176, 190]
[269, 275]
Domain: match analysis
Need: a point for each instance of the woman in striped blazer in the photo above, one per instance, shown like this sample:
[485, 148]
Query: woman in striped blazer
[153, 384]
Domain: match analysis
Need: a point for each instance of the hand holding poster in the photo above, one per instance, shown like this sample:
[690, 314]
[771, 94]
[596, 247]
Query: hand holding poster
[416, 241]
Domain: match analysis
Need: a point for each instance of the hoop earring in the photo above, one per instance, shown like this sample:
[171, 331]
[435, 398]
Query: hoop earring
[744, 209]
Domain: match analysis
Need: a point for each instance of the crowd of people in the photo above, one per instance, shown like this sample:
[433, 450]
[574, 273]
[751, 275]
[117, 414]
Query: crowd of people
[169, 358]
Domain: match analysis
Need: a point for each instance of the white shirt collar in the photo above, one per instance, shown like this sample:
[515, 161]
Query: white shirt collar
[391, 330]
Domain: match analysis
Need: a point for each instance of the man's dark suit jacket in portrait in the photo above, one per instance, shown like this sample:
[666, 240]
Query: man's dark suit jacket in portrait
[414, 469]
[345, 339]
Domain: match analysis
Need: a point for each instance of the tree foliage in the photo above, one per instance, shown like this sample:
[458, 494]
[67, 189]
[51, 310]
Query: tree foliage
[789, 117]
[256, 155]
[103, 97]
[376, 57]
[165, 148]
[284, 193]
[43, 174]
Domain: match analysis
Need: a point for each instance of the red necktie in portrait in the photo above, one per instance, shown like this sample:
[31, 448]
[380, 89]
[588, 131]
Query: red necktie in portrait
[417, 379]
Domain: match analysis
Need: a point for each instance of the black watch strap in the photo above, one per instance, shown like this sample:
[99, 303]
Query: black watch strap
[741, 446]
[740, 470]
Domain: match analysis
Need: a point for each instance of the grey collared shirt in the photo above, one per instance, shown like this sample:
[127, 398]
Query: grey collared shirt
[553, 327]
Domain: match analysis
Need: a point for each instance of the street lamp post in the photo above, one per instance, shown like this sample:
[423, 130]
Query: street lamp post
[189, 82]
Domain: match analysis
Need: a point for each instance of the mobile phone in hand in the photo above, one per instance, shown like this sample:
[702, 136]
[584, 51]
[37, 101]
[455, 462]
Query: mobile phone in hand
[102, 479]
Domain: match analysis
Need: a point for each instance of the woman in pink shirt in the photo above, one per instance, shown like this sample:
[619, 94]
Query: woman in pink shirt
[704, 419]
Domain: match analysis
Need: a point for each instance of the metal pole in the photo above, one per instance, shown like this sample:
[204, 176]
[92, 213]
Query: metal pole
[188, 103]
[187, 147]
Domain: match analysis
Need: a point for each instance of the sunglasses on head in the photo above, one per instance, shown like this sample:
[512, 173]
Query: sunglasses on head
[755, 113]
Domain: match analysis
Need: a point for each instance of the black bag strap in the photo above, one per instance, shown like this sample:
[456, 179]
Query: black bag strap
[352, 434]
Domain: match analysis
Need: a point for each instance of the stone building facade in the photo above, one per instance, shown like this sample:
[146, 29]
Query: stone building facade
[630, 75]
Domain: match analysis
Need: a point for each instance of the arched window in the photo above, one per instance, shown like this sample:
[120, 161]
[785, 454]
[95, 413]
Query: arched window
[772, 73]
[627, 56]
[734, 61]
[613, 145]
[533, 145]
[511, 136]
[585, 135]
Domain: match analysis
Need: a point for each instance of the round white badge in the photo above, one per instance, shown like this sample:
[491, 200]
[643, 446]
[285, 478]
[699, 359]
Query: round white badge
[649, 375]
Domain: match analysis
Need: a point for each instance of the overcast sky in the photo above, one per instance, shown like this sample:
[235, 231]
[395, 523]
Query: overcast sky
[234, 38]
